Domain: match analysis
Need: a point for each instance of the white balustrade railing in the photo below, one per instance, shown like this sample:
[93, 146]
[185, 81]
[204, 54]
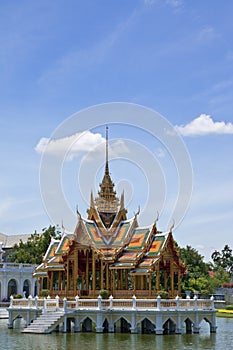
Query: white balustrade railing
[19, 266]
[48, 304]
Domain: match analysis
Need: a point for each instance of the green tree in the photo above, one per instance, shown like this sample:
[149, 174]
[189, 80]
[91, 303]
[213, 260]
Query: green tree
[33, 250]
[197, 278]
[223, 259]
[219, 276]
[193, 261]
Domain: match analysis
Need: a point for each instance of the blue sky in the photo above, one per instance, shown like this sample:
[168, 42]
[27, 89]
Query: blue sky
[172, 56]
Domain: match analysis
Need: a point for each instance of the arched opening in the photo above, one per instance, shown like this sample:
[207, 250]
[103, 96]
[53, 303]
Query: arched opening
[12, 288]
[87, 325]
[26, 288]
[169, 327]
[122, 326]
[147, 327]
[206, 322]
[105, 326]
[188, 325]
[19, 322]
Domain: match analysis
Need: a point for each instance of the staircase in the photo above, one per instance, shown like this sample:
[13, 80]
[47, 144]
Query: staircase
[45, 323]
[4, 313]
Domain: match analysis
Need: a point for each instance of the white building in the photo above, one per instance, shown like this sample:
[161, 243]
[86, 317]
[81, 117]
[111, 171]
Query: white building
[14, 278]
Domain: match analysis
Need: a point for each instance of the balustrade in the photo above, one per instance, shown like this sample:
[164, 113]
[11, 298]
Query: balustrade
[111, 303]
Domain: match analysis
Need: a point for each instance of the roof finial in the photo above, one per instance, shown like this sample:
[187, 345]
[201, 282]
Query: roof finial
[92, 205]
[122, 203]
[106, 164]
[172, 226]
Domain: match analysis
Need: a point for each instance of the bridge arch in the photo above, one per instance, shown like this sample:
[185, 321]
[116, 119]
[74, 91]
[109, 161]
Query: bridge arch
[169, 326]
[87, 324]
[188, 325]
[147, 325]
[122, 325]
[105, 325]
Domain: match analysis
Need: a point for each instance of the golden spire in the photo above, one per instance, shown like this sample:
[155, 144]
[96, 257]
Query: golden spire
[107, 207]
[107, 200]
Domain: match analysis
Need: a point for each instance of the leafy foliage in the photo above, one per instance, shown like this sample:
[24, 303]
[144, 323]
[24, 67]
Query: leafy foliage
[199, 277]
[104, 293]
[44, 293]
[163, 294]
[17, 296]
[223, 259]
[193, 260]
[33, 250]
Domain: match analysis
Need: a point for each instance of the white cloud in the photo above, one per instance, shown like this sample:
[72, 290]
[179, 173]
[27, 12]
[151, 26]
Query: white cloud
[207, 33]
[71, 145]
[174, 3]
[149, 2]
[79, 143]
[205, 125]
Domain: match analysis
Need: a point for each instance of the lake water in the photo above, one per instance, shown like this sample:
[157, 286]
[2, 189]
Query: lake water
[223, 339]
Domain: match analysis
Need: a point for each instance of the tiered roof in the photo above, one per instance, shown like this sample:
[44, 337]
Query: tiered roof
[52, 259]
[116, 240]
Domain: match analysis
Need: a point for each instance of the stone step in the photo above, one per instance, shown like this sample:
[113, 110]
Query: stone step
[48, 320]
[35, 331]
[45, 323]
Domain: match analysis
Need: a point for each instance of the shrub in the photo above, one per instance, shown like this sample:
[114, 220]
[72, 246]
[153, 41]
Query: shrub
[17, 296]
[163, 294]
[104, 293]
[44, 293]
[229, 307]
[205, 293]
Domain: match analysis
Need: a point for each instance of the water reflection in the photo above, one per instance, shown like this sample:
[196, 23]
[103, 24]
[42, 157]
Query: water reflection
[13, 339]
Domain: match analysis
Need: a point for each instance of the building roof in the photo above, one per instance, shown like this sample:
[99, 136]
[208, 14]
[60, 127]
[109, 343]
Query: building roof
[63, 245]
[157, 244]
[8, 241]
[51, 249]
[114, 239]
[139, 239]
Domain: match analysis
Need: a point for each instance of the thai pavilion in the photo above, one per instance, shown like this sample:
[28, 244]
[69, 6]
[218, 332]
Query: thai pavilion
[108, 251]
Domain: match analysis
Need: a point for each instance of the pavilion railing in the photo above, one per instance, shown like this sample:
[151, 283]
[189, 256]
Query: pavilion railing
[158, 304]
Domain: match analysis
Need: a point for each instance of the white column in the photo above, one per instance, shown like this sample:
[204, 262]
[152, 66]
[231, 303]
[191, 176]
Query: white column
[4, 286]
[133, 327]
[99, 324]
[76, 324]
[213, 325]
[159, 324]
[178, 326]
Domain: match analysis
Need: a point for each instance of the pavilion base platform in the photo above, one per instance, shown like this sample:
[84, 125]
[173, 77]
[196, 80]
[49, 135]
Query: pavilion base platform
[152, 316]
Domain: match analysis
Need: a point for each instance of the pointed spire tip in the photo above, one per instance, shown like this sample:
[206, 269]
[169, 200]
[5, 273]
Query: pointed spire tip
[106, 164]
